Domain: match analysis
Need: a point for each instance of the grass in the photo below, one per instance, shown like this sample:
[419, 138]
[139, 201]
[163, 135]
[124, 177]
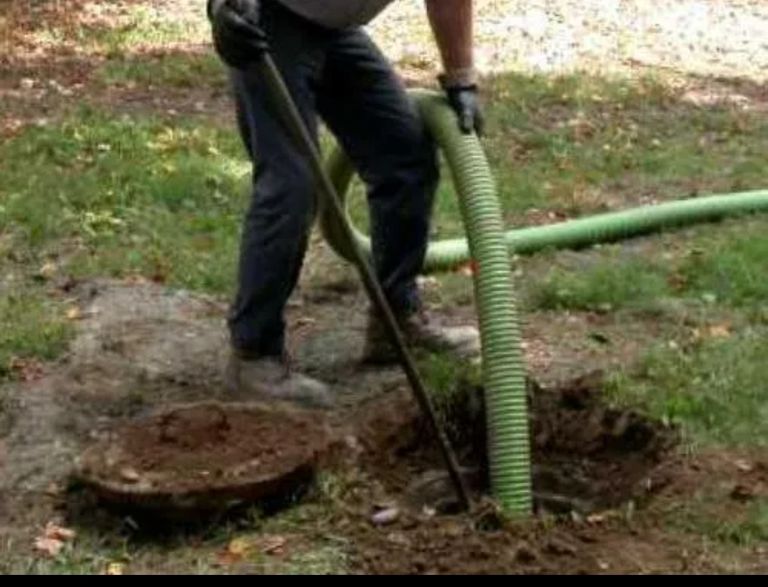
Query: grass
[168, 70]
[750, 531]
[34, 326]
[719, 264]
[235, 547]
[578, 144]
[610, 284]
[574, 143]
[130, 196]
[111, 30]
[715, 388]
[704, 516]
[140, 195]
[729, 266]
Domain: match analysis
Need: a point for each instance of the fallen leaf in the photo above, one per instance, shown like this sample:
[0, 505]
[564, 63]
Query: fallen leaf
[49, 546]
[58, 532]
[596, 518]
[26, 369]
[468, 269]
[719, 331]
[559, 547]
[385, 517]
[53, 490]
[235, 552]
[226, 559]
[115, 569]
[238, 547]
[272, 544]
[53, 539]
[130, 475]
[47, 270]
[742, 493]
[305, 321]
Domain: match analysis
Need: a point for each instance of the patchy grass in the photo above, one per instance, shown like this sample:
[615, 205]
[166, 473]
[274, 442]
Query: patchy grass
[129, 196]
[704, 515]
[750, 531]
[142, 26]
[97, 195]
[102, 28]
[708, 282]
[575, 143]
[253, 544]
[167, 70]
[34, 326]
[634, 283]
[714, 388]
[729, 265]
[719, 264]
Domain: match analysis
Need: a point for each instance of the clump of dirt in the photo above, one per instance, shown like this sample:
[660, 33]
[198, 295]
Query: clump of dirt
[206, 455]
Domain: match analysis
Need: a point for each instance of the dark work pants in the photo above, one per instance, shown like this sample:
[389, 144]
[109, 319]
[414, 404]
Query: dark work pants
[341, 77]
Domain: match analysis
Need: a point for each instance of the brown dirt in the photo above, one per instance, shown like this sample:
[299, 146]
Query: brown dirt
[613, 541]
[207, 454]
[587, 456]
[141, 347]
[590, 463]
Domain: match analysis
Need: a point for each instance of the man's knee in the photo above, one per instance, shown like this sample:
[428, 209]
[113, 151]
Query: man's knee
[283, 196]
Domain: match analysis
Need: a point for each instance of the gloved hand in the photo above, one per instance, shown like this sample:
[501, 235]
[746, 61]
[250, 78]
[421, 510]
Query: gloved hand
[237, 34]
[466, 103]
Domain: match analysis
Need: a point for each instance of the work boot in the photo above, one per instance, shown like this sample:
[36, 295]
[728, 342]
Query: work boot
[420, 330]
[270, 379]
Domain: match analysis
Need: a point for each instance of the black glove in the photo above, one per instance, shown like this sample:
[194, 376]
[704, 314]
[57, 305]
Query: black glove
[237, 35]
[466, 103]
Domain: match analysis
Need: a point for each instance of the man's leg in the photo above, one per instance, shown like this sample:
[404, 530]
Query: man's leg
[369, 111]
[281, 211]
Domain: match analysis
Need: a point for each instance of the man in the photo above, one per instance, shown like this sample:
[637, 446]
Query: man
[334, 71]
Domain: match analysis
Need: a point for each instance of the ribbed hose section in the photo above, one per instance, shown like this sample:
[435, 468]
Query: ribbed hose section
[571, 234]
[503, 363]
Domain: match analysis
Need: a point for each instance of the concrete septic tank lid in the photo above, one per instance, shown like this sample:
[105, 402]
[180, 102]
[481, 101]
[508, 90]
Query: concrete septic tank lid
[206, 456]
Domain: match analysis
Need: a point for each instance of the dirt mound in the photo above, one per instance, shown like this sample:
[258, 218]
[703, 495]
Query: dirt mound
[206, 455]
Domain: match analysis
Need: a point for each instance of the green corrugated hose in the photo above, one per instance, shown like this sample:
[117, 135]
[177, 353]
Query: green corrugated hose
[490, 247]
[572, 234]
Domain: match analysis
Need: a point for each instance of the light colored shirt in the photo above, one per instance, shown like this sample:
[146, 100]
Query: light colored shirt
[337, 14]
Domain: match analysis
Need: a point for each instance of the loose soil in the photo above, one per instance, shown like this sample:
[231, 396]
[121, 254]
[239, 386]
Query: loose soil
[604, 479]
[207, 455]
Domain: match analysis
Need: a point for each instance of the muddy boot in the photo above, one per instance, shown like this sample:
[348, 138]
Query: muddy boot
[269, 379]
[421, 330]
